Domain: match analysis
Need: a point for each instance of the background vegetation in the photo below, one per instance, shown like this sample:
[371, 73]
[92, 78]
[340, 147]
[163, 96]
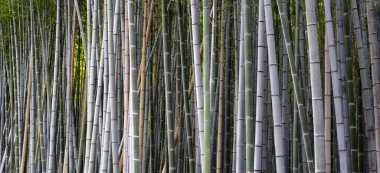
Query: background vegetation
[189, 86]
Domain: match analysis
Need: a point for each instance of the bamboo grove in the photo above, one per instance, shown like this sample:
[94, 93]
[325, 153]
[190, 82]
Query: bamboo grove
[189, 86]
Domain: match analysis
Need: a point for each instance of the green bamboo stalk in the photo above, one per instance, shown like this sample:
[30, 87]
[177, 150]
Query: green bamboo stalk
[375, 70]
[51, 152]
[336, 88]
[206, 163]
[240, 119]
[248, 96]
[91, 86]
[222, 89]
[297, 89]
[213, 78]
[360, 128]
[185, 91]
[274, 85]
[112, 86]
[168, 107]
[32, 104]
[133, 87]
[260, 94]
[126, 90]
[198, 76]
[316, 89]
[350, 89]
[18, 97]
[327, 106]
[97, 111]
[296, 142]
